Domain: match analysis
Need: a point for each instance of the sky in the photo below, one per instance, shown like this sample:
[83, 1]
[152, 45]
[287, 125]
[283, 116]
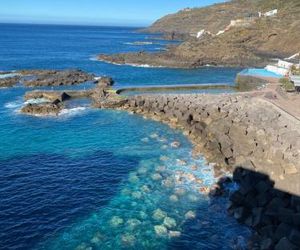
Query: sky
[92, 12]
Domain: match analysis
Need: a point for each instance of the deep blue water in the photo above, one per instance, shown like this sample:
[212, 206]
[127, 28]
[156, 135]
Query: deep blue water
[91, 179]
[25, 46]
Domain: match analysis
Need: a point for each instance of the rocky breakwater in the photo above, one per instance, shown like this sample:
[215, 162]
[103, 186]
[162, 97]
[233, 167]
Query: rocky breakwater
[272, 213]
[233, 130]
[103, 96]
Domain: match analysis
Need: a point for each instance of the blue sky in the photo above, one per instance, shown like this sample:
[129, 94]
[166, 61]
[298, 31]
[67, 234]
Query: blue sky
[107, 12]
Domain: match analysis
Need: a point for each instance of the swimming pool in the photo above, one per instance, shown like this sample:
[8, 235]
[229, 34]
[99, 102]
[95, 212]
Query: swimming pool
[259, 72]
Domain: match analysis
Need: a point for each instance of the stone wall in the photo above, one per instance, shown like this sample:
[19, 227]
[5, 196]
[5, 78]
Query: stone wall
[232, 131]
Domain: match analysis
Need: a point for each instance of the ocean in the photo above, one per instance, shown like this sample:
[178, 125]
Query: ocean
[102, 179]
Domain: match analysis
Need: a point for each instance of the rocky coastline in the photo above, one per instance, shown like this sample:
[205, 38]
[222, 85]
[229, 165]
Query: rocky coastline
[44, 78]
[250, 138]
[53, 102]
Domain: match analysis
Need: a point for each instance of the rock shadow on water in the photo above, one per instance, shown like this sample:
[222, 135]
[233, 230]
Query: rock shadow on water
[268, 218]
[209, 226]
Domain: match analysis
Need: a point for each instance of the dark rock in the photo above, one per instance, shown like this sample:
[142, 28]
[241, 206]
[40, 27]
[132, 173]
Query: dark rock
[257, 216]
[263, 198]
[286, 215]
[285, 244]
[105, 82]
[9, 81]
[274, 206]
[296, 219]
[43, 109]
[294, 237]
[267, 231]
[241, 214]
[55, 78]
[266, 244]
[283, 230]
[263, 186]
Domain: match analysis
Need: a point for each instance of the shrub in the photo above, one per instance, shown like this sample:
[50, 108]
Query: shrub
[287, 84]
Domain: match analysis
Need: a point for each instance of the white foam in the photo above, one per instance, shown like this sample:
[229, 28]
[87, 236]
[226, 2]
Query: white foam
[143, 65]
[3, 76]
[73, 111]
[139, 43]
[14, 105]
[36, 101]
[132, 64]
[94, 58]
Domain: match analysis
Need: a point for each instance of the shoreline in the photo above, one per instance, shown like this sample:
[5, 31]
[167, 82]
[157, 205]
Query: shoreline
[268, 167]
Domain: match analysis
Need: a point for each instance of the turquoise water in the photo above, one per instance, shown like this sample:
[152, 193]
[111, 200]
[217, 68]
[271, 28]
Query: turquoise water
[259, 72]
[100, 179]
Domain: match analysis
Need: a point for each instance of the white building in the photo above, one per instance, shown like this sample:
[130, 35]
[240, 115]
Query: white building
[281, 68]
[271, 13]
[200, 33]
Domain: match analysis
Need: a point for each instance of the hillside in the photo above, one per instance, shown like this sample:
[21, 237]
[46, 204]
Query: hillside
[245, 38]
[216, 17]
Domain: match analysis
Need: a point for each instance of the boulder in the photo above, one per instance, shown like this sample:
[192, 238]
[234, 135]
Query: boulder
[43, 109]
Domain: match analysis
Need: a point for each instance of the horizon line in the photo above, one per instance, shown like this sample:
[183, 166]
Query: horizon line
[74, 24]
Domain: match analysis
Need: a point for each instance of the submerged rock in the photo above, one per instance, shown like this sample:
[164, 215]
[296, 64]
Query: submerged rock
[143, 215]
[126, 191]
[170, 222]
[174, 234]
[137, 195]
[154, 136]
[204, 190]
[159, 214]
[181, 162]
[180, 191]
[156, 177]
[194, 168]
[83, 246]
[133, 223]
[97, 239]
[133, 178]
[168, 183]
[128, 240]
[164, 158]
[160, 168]
[175, 144]
[116, 221]
[142, 170]
[173, 198]
[190, 215]
[145, 139]
[193, 198]
[145, 189]
[160, 230]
